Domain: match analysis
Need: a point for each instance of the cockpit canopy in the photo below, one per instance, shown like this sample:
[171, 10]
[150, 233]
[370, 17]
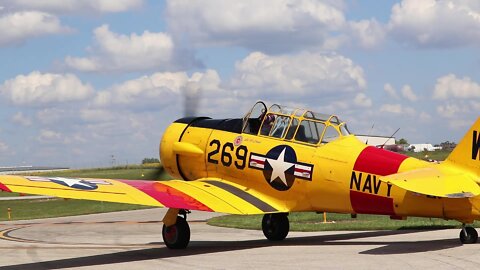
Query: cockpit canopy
[298, 125]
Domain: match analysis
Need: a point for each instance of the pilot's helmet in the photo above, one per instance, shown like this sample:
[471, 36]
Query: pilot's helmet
[269, 119]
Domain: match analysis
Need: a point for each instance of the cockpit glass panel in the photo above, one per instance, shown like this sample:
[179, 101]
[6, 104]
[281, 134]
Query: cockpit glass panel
[275, 108]
[253, 119]
[291, 130]
[316, 116]
[267, 124]
[344, 130]
[309, 114]
[334, 120]
[280, 126]
[330, 134]
[299, 112]
[309, 131]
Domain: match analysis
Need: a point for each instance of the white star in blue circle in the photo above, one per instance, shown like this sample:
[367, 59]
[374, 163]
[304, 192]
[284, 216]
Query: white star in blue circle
[74, 183]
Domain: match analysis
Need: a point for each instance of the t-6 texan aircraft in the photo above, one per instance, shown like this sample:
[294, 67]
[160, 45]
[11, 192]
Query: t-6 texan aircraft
[279, 160]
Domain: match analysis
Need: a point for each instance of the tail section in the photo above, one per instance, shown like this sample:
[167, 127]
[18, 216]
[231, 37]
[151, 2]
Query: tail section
[467, 152]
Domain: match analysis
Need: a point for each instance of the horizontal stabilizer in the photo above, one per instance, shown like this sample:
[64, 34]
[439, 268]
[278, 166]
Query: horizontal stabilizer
[435, 182]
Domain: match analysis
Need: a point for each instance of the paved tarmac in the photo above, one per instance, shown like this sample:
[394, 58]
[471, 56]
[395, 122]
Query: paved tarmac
[19, 198]
[132, 240]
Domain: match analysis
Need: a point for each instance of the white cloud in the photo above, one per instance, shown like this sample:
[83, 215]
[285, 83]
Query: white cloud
[407, 92]
[362, 100]
[50, 115]
[449, 86]
[369, 33]
[3, 147]
[75, 6]
[158, 89]
[475, 105]
[97, 115]
[300, 75]
[37, 89]
[17, 27]
[21, 119]
[436, 23]
[397, 109]
[49, 136]
[391, 108]
[390, 90]
[451, 110]
[424, 116]
[117, 52]
[272, 26]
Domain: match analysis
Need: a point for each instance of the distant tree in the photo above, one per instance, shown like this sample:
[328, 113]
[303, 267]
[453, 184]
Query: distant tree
[401, 141]
[150, 160]
[447, 145]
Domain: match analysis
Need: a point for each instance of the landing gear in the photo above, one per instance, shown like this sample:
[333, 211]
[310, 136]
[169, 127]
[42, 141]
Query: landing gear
[275, 226]
[177, 236]
[468, 235]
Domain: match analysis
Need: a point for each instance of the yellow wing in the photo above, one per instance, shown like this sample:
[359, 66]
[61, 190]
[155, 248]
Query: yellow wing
[210, 194]
[436, 182]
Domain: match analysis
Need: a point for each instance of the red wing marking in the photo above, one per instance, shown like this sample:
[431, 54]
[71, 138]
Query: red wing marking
[378, 161]
[4, 188]
[168, 196]
[365, 203]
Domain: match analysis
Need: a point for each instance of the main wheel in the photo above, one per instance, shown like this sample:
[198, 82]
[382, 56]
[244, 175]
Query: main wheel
[468, 235]
[275, 227]
[176, 236]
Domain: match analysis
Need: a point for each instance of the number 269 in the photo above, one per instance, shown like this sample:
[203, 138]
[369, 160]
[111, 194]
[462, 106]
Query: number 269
[226, 157]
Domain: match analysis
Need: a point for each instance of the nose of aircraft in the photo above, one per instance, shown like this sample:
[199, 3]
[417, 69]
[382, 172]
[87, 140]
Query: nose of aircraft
[171, 135]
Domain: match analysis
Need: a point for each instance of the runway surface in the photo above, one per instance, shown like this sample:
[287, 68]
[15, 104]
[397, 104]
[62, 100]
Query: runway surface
[132, 240]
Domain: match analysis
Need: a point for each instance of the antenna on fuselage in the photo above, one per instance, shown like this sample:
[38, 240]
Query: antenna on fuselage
[383, 145]
[370, 132]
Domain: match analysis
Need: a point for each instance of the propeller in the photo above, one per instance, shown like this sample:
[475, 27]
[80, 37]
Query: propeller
[191, 99]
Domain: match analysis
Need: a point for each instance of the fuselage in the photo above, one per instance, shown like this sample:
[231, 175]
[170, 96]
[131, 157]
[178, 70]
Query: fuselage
[339, 176]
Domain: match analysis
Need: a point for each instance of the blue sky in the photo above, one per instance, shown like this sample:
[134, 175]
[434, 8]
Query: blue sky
[81, 81]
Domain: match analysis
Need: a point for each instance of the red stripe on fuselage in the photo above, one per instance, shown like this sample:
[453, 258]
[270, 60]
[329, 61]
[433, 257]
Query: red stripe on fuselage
[302, 170]
[377, 161]
[365, 203]
[168, 196]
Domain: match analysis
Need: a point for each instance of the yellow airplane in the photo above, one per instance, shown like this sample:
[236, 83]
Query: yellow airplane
[279, 160]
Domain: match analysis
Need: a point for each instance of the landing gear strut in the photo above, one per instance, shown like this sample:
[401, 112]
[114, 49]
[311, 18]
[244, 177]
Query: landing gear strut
[177, 235]
[275, 226]
[468, 235]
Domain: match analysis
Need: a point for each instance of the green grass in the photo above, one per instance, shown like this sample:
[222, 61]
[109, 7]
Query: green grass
[8, 194]
[45, 208]
[343, 222]
[436, 155]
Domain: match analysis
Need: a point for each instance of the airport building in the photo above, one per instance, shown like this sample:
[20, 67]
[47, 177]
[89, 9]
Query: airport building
[376, 140]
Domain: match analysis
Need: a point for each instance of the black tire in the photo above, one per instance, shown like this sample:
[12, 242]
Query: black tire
[176, 236]
[469, 236]
[275, 227]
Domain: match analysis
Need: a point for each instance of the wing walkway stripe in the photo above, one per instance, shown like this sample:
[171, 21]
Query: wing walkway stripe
[265, 207]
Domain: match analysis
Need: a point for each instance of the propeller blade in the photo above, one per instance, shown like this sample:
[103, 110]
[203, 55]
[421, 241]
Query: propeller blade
[191, 98]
